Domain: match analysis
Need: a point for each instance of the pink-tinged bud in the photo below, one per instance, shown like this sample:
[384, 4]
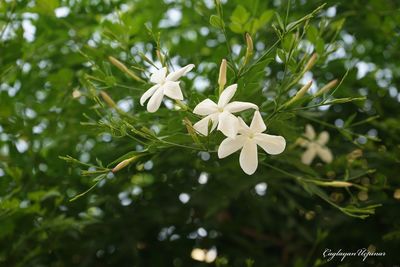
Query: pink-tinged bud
[108, 99]
[327, 87]
[123, 164]
[222, 75]
[303, 90]
[249, 48]
[311, 62]
[335, 183]
[124, 69]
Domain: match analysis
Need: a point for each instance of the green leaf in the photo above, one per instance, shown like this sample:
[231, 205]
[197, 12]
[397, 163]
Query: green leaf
[240, 15]
[217, 22]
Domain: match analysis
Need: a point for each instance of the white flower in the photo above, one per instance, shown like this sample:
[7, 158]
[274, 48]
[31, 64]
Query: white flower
[164, 85]
[247, 140]
[315, 146]
[221, 114]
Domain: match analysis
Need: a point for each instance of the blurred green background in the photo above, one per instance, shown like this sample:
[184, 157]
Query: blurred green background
[157, 211]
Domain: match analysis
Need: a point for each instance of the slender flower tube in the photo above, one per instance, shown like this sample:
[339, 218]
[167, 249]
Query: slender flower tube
[164, 85]
[220, 115]
[247, 140]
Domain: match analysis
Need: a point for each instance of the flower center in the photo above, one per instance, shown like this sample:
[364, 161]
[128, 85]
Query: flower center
[251, 135]
[220, 110]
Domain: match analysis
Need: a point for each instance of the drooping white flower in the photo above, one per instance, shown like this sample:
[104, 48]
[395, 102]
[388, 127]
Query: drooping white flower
[315, 146]
[164, 85]
[248, 139]
[220, 114]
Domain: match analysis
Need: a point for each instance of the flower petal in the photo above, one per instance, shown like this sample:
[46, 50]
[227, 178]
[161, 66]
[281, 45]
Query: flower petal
[155, 101]
[310, 133]
[308, 155]
[323, 138]
[158, 76]
[230, 145]
[248, 157]
[205, 107]
[272, 144]
[228, 124]
[227, 95]
[237, 106]
[243, 128]
[148, 93]
[173, 90]
[257, 124]
[202, 125]
[325, 154]
[173, 76]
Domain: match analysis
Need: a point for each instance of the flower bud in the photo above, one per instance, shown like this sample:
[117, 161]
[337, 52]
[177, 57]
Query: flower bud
[222, 75]
[335, 184]
[303, 90]
[249, 48]
[160, 57]
[124, 163]
[311, 62]
[123, 68]
[327, 87]
[108, 99]
[76, 93]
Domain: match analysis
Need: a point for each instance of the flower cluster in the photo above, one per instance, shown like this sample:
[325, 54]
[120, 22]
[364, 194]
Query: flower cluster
[220, 116]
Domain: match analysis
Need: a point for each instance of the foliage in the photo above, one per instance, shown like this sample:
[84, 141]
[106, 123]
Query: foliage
[69, 115]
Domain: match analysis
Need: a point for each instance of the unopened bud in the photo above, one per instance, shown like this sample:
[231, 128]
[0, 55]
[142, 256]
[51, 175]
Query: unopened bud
[396, 194]
[123, 164]
[222, 75]
[327, 87]
[123, 68]
[160, 57]
[303, 90]
[336, 184]
[76, 93]
[108, 99]
[311, 62]
[249, 48]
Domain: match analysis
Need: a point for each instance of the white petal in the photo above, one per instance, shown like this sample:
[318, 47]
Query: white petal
[148, 93]
[205, 107]
[173, 76]
[202, 125]
[230, 145]
[228, 124]
[325, 154]
[310, 133]
[237, 106]
[323, 138]
[243, 128]
[257, 124]
[158, 76]
[155, 101]
[308, 155]
[248, 157]
[272, 144]
[173, 90]
[227, 95]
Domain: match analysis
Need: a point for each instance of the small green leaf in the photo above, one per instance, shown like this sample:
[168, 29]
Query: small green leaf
[217, 22]
[240, 15]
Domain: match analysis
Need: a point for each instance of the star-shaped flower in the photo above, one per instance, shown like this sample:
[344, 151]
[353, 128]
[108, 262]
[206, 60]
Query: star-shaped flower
[315, 146]
[164, 85]
[221, 114]
[247, 140]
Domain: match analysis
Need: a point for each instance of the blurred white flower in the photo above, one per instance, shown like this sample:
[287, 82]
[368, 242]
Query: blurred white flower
[315, 146]
[247, 140]
[204, 254]
[221, 114]
[164, 85]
